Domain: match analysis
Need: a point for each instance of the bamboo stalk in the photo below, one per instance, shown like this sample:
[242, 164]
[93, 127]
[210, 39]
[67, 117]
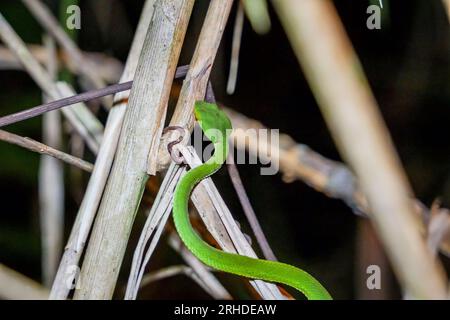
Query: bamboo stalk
[350, 110]
[86, 213]
[141, 131]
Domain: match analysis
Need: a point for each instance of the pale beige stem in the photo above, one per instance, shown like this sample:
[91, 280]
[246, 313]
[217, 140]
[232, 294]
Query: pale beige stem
[347, 103]
[140, 136]
[235, 49]
[86, 213]
[16, 286]
[447, 7]
[51, 182]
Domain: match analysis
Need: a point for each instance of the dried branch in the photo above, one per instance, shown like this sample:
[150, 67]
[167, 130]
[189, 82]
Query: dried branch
[82, 97]
[169, 272]
[300, 162]
[64, 102]
[41, 148]
[249, 212]
[347, 103]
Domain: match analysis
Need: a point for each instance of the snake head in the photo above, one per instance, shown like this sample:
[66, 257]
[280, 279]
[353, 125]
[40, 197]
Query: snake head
[214, 122]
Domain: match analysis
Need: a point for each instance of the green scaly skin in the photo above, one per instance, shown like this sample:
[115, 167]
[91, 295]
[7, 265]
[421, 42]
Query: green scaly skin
[216, 126]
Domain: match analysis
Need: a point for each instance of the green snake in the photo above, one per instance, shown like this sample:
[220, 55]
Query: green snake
[217, 127]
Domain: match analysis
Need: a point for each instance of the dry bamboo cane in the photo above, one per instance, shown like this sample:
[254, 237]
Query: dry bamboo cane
[69, 266]
[141, 131]
[350, 110]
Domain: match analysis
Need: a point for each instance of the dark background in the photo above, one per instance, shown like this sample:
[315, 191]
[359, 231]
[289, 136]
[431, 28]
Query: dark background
[407, 64]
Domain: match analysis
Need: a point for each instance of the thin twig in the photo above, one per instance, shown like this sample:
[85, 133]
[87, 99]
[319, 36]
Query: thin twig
[235, 49]
[438, 227]
[249, 212]
[57, 104]
[82, 97]
[41, 148]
